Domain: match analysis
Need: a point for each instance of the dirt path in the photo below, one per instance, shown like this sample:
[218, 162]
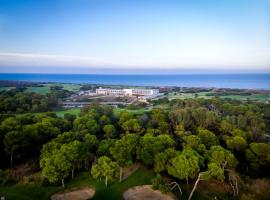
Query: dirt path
[127, 171]
[145, 192]
[75, 194]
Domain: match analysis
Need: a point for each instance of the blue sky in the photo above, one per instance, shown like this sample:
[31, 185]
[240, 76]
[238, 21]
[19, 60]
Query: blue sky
[98, 36]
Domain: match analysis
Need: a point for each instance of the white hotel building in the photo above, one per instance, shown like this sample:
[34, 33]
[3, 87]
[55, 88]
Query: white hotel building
[128, 92]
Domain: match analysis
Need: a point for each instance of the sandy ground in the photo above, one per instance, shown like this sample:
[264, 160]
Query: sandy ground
[75, 194]
[145, 192]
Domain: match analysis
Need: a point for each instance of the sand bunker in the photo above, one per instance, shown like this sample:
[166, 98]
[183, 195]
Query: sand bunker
[145, 192]
[75, 194]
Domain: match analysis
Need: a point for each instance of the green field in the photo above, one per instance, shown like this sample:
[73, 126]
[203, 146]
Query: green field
[176, 95]
[71, 87]
[46, 88]
[40, 90]
[59, 113]
[252, 97]
[113, 191]
[66, 86]
[6, 88]
[139, 111]
[74, 111]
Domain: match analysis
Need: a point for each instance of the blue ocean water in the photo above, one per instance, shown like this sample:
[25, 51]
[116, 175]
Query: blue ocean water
[245, 81]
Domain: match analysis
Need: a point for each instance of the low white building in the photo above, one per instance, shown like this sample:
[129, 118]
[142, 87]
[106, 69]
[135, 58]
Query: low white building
[128, 92]
[107, 91]
[141, 92]
[87, 92]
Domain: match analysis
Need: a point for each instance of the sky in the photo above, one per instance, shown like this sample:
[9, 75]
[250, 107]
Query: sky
[109, 36]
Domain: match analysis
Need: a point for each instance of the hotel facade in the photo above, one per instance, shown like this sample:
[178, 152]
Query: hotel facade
[128, 92]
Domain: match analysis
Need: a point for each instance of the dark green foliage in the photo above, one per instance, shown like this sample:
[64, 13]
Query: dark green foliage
[236, 143]
[150, 145]
[159, 184]
[162, 159]
[109, 131]
[5, 176]
[23, 136]
[105, 168]
[123, 151]
[104, 147]
[185, 140]
[208, 138]
[258, 155]
[132, 126]
[13, 101]
[185, 165]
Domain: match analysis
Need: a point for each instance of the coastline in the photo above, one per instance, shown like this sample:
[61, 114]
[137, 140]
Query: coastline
[229, 81]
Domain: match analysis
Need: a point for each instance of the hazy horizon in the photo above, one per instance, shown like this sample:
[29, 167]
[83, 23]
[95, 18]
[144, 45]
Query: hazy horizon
[120, 71]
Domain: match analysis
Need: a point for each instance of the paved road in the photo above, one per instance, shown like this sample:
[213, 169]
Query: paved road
[81, 104]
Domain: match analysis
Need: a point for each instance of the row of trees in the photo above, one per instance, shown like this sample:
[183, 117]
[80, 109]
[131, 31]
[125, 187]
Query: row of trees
[22, 136]
[14, 101]
[190, 141]
[182, 152]
[64, 154]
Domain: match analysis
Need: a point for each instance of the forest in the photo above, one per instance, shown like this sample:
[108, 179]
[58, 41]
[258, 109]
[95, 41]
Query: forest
[185, 143]
[17, 100]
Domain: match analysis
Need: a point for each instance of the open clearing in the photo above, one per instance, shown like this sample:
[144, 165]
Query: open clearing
[139, 111]
[252, 97]
[6, 88]
[40, 90]
[114, 190]
[45, 88]
[177, 95]
[73, 111]
[145, 192]
[75, 194]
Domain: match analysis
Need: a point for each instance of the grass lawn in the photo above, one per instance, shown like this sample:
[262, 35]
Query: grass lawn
[40, 90]
[6, 88]
[163, 107]
[135, 111]
[173, 95]
[66, 86]
[113, 191]
[60, 113]
[74, 111]
[71, 87]
[46, 88]
[253, 97]
[19, 192]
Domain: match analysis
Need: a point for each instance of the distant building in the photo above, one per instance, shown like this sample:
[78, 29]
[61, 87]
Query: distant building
[108, 91]
[128, 92]
[87, 92]
[141, 92]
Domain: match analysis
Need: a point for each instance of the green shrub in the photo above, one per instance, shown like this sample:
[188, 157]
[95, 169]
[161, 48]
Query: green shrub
[5, 176]
[33, 179]
[159, 184]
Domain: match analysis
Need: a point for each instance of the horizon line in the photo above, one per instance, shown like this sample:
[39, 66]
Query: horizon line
[141, 74]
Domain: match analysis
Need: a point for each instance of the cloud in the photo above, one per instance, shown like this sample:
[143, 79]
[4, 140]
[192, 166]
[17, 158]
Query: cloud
[26, 59]
[199, 60]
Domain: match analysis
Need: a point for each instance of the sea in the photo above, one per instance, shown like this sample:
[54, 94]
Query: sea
[241, 81]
